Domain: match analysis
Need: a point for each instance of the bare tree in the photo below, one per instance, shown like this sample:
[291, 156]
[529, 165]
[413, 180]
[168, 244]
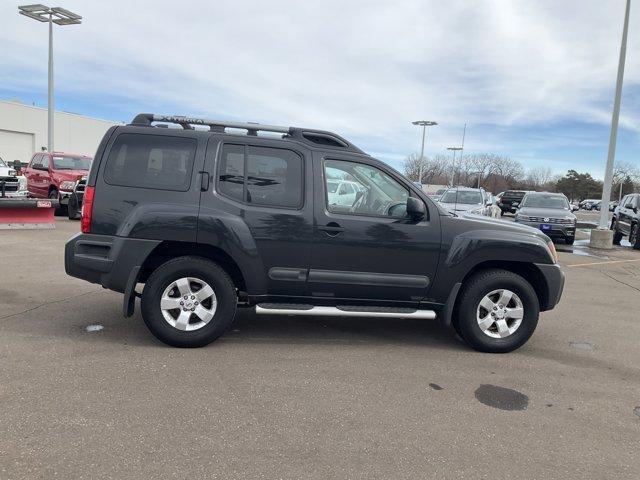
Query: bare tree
[412, 165]
[624, 173]
[432, 168]
[539, 177]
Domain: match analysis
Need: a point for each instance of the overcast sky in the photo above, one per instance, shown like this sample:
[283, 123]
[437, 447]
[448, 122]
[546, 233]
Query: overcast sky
[533, 79]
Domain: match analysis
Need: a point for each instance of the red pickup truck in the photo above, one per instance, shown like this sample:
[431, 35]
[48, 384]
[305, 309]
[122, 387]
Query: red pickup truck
[54, 174]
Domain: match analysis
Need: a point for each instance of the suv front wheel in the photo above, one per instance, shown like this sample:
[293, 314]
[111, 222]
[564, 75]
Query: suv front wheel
[497, 311]
[188, 302]
[634, 236]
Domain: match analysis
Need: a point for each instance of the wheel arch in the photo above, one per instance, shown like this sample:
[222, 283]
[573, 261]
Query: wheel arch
[528, 271]
[168, 250]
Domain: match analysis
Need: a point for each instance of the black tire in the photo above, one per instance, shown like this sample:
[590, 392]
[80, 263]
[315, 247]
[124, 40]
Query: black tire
[474, 290]
[61, 209]
[72, 208]
[617, 236]
[569, 240]
[189, 266]
[634, 236]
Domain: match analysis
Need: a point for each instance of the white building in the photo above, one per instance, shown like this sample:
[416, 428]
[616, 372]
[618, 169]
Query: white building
[23, 131]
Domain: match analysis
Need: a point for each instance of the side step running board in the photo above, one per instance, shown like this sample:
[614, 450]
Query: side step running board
[343, 311]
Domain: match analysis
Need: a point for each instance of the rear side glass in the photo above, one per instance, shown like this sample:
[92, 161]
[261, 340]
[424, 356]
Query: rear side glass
[261, 175]
[151, 161]
[274, 177]
[231, 172]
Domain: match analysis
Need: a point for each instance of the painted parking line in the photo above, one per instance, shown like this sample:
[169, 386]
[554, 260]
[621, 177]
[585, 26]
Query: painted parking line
[603, 263]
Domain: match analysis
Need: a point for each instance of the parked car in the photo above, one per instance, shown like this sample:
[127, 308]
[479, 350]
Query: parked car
[74, 207]
[549, 212]
[589, 203]
[342, 192]
[54, 175]
[462, 199]
[209, 221]
[12, 185]
[435, 196]
[510, 200]
[626, 220]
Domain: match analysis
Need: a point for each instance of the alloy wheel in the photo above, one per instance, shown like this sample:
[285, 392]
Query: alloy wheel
[500, 313]
[188, 304]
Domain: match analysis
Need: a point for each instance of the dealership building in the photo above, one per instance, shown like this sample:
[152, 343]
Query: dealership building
[23, 131]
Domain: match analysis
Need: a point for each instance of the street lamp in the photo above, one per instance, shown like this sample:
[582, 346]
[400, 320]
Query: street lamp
[602, 237]
[454, 149]
[59, 16]
[424, 124]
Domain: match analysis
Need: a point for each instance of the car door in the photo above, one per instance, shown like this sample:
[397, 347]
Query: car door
[44, 179]
[32, 175]
[625, 215]
[259, 210]
[370, 251]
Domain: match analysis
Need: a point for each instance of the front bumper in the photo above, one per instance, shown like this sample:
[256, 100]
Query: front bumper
[554, 283]
[556, 230]
[18, 194]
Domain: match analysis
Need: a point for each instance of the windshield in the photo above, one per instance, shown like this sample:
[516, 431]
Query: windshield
[464, 197]
[545, 201]
[71, 163]
[332, 186]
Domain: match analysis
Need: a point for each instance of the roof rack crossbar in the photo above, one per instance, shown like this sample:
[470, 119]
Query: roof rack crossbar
[146, 119]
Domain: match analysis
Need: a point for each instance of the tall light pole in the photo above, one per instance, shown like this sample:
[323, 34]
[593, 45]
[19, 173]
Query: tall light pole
[424, 124]
[453, 172]
[59, 16]
[608, 174]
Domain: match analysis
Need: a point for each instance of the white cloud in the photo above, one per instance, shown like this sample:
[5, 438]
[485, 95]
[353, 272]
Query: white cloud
[365, 69]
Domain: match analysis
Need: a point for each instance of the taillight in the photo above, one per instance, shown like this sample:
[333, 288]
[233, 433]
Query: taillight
[87, 210]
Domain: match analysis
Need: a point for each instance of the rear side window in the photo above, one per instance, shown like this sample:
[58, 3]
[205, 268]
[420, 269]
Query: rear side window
[261, 175]
[151, 161]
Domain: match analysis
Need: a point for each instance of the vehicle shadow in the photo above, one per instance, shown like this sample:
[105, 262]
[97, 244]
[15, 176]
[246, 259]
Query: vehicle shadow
[284, 329]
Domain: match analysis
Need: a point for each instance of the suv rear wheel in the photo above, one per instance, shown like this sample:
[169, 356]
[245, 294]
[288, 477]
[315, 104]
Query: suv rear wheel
[188, 302]
[497, 311]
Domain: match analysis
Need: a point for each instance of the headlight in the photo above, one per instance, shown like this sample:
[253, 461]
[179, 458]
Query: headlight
[477, 211]
[68, 185]
[524, 218]
[552, 251]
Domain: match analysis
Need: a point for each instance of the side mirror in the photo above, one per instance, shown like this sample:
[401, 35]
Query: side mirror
[415, 207]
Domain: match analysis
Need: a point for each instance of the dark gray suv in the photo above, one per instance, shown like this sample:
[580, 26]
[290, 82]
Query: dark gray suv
[198, 221]
[550, 213]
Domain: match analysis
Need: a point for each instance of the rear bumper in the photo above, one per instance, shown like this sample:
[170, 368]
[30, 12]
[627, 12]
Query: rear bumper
[554, 283]
[104, 259]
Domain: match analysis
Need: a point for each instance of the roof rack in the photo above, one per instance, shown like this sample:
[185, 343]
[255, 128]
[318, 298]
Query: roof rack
[316, 137]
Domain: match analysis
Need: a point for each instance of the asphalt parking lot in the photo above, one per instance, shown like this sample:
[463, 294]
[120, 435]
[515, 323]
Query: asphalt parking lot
[282, 397]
